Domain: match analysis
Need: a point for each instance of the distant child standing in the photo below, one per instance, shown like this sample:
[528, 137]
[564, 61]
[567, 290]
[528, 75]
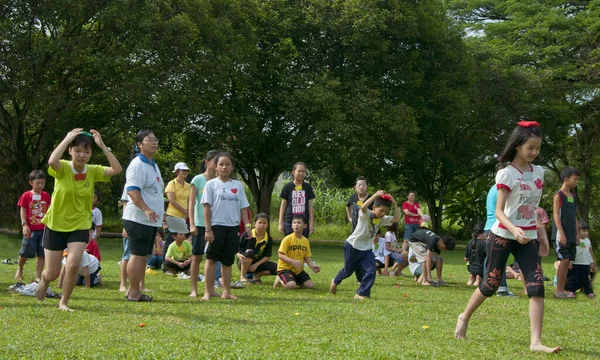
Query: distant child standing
[520, 186]
[225, 204]
[297, 198]
[353, 205]
[584, 263]
[196, 215]
[69, 217]
[358, 248]
[33, 205]
[294, 252]
[475, 253]
[564, 228]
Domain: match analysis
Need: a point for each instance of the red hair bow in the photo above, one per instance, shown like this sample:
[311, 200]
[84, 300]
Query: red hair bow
[386, 197]
[528, 124]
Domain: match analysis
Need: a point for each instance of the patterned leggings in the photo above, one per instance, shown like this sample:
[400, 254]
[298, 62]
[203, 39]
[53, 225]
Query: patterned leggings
[526, 255]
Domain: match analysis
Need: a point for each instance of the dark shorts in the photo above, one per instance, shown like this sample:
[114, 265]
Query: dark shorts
[410, 229]
[58, 240]
[175, 268]
[287, 275]
[476, 270]
[198, 242]
[269, 266]
[565, 252]
[141, 238]
[32, 246]
[225, 245]
[94, 278]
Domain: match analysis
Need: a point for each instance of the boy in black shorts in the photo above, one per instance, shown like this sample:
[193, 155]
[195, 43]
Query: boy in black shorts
[255, 252]
[293, 252]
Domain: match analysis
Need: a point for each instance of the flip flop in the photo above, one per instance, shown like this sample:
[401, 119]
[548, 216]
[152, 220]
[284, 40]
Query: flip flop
[565, 295]
[143, 298]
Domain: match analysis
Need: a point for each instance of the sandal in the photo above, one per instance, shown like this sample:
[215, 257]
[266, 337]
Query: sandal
[143, 298]
[565, 295]
[257, 281]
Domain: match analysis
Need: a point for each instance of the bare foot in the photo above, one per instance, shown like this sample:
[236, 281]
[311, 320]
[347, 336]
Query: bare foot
[230, 297]
[476, 283]
[146, 290]
[62, 307]
[122, 289]
[460, 332]
[277, 282]
[542, 348]
[359, 297]
[215, 294]
[194, 294]
[333, 288]
[206, 297]
[40, 294]
[426, 283]
[19, 275]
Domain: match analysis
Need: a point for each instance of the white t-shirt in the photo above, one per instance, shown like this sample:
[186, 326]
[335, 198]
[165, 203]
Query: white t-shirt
[524, 194]
[96, 219]
[379, 250]
[583, 256]
[226, 200]
[86, 260]
[144, 176]
[366, 228]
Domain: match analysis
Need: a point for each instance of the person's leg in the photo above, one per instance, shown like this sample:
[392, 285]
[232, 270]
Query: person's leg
[244, 266]
[367, 261]
[210, 269]
[536, 319]
[21, 264]
[39, 267]
[136, 269]
[194, 271]
[359, 272]
[123, 266]
[75, 251]
[351, 262]
[226, 271]
[308, 284]
[561, 275]
[585, 280]
[53, 267]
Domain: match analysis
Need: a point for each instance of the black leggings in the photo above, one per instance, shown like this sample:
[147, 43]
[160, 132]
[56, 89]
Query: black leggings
[526, 255]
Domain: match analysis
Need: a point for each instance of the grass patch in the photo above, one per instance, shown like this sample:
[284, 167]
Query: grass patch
[275, 323]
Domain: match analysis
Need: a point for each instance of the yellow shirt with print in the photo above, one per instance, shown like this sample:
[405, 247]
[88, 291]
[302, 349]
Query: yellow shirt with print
[182, 193]
[71, 205]
[295, 248]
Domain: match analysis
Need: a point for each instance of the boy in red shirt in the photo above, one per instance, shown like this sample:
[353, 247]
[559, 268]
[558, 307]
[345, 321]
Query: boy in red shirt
[33, 205]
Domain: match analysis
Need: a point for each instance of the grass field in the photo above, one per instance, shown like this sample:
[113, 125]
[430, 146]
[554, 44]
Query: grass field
[401, 321]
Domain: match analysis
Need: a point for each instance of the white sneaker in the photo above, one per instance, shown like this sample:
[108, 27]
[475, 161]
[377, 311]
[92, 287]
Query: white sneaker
[237, 285]
[200, 277]
[183, 276]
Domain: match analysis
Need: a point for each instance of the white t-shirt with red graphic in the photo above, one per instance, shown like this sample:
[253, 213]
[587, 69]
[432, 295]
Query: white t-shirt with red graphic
[226, 199]
[524, 194]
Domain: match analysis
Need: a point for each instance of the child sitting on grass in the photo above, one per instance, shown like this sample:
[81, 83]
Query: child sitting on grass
[179, 253]
[396, 255]
[427, 246]
[294, 252]
[475, 253]
[256, 251]
[578, 276]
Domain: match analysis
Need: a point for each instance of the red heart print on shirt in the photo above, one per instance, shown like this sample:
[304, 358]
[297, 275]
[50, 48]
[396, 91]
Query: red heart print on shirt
[234, 190]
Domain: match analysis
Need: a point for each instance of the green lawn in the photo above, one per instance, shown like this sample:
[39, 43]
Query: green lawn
[402, 320]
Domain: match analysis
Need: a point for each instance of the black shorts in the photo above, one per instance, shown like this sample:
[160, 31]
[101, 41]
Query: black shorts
[225, 245]
[141, 237]
[566, 252]
[170, 266]
[269, 266]
[287, 275]
[58, 240]
[198, 242]
[94, 278]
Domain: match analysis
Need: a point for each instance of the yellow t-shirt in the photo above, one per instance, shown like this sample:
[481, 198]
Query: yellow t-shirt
[182, 194]
[295, 248]
[71, 205]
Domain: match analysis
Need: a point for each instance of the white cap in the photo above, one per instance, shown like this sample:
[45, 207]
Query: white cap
[177, 225]
[181, 166]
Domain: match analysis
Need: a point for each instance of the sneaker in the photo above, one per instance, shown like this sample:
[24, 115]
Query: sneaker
[183, 276]
[200, 277]
[217, 284]
[151, 271]
[236, 285]
[506, 294]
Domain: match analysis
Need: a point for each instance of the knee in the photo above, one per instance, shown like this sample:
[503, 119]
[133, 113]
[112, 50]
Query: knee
[290, 285]
[308, 284]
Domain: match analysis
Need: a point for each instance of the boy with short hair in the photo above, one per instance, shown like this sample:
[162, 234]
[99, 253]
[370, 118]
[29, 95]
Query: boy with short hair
[427, 246]
[578, 277]
[256, 251]
[179, 254]
[564, 228]
[358, 247]
[293, 253]
[33, 205]
[353, 205]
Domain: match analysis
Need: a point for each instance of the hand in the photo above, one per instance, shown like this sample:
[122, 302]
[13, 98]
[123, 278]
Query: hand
[379, 193]
[209, 236]
[570, 265]
[249, 231]
[71, 135]
[316, 268]
[124, 234]
[297, 263]
[350, 219]
[26, 231]
[187, 262]
[151, 215]
[562, 238]
[193, 230]
[386, 273]
[593, 267]
[544, 248]
[281, 228]
[180, 264]
[311, 228]
[241, 257]
[98, 139]
[520, 236]
[165, 226]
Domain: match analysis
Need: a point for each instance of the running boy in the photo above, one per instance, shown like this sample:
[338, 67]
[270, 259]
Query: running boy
[256, 251]
[353, 205]
[564, 228]
[358, 248]
[427, 246]
[579, 276]
[33, 205]
[294, 252]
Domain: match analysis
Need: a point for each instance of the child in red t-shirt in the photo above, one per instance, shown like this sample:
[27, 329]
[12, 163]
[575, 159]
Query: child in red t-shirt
[33, 205]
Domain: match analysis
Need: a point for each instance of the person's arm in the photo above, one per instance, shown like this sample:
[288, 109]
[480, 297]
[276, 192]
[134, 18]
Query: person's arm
[208, 234]
[61, 278]
[86, 276]
[396, 211]
[311, 215]
[593, 264]
[192, 210]
[366, 204]
[517, 232]
[25, 227]
[420, 213]
[57, 153]
[314, 267]
[171, 260]
[115, 166]
[136, 198]
[542, 237]
[98, 230]
[246, 220]
[562, 238]
[282, 208]
[262, 260]
[176, 205]
[349, 213]
[295, 263]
